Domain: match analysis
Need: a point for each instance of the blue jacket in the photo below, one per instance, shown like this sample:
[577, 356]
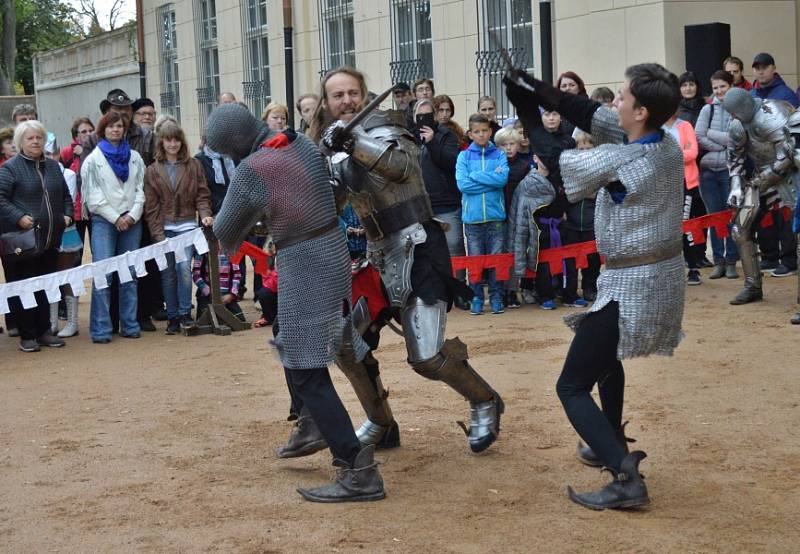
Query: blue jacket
[481, 175]
[775, 90]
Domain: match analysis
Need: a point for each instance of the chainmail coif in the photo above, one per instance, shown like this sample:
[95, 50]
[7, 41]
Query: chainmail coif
[233, 131]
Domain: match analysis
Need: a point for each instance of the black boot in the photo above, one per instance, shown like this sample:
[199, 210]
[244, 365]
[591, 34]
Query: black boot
[587, 456]
[747, 295]
[627, 490]
[360, 482]
[304, 440]
[795, 320]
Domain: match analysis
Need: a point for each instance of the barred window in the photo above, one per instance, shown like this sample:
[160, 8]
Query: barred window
[337, 36]
[257, 92]
[168, 50]
[412, 50]
[506, 24]
[207, 59]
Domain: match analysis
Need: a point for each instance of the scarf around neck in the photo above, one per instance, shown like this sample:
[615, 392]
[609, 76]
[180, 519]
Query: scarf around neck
[216, 161]
[117, 157]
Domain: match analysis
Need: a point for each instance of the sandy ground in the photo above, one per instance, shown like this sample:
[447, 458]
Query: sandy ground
[166, 444]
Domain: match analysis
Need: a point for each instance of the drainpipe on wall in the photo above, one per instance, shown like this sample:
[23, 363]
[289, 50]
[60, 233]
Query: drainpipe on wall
[140, 48]
[546, 39]
[288, 57]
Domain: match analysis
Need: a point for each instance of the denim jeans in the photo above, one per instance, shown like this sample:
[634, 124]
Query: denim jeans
[454, 236]
[108, 242]
[714, 189]
[176, 282]
[486, 238]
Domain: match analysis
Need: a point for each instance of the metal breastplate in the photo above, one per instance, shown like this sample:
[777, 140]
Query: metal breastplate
[391, 195]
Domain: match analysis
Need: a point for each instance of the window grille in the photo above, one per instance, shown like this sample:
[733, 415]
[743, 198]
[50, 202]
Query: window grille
[412, 48]
[506, 24]
[255, 47]
[168, 50]
[337, 36]
[207, 59]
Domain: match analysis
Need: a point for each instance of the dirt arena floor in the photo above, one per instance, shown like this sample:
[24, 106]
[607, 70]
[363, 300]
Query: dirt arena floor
[166, 444]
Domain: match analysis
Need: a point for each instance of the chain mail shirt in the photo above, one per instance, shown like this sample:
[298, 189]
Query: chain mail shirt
[646, 225]
[291, 188]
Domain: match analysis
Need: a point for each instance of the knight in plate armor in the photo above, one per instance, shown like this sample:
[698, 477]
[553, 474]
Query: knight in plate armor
[284, 182]
[763, 131]
[377, 165]
[638, 224]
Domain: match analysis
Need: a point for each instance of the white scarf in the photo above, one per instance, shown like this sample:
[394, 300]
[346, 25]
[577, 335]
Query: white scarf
[230, 167]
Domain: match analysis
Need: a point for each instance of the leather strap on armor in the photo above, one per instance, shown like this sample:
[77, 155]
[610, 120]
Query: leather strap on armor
[645, 259]
[308, 235]
[394, 218]
[451, 367]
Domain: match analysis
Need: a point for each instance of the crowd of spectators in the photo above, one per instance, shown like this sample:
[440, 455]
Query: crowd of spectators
[496, 189]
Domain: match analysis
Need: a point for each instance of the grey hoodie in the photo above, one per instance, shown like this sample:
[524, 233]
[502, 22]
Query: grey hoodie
[522, 233]
[712, 136]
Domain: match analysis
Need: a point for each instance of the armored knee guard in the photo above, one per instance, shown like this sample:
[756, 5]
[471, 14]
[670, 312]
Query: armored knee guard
[446, 360]
[742, 234]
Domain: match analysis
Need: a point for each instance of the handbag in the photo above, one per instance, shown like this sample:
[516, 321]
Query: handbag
[21, 245]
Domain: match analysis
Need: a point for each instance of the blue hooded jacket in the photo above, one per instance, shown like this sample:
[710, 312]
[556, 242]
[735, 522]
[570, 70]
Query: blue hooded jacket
[481, 175]
[775, 90]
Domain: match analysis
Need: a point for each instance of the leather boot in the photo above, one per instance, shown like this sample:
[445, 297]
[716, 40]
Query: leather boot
[627, 490]
[587, 456]
[305, 438]
[71, 328]
[360, 482]
[730, 271]
[719, 271]
[748, 294]
[54, 318]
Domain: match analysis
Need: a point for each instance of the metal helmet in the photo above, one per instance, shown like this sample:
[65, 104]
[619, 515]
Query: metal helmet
[740, 104]
[233, 131]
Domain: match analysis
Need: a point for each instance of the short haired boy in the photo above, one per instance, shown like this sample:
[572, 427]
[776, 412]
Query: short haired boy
[508, 140]
[638, 223]
[481, 176]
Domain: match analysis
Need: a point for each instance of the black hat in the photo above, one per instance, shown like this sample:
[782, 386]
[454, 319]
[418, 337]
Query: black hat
[401, 87]
[763, 59]
[141, 102]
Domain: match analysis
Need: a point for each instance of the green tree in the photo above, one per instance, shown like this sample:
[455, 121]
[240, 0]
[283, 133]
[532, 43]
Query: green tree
[8, 46]
[41, 25]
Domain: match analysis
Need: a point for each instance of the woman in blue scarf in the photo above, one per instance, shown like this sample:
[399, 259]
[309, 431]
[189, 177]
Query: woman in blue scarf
[113, 197]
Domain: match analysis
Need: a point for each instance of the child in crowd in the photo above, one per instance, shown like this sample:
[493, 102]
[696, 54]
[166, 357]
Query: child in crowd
[481, 175]
[579, 227]
[230, 281]
[356, 236]
[548, 140]
[487, 106]
[508, 139]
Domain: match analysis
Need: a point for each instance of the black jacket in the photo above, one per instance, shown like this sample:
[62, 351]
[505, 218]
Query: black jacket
[690, 109]
[580, 215]
[35, 188]
[217, 191]
[438, 160]
[518, 168]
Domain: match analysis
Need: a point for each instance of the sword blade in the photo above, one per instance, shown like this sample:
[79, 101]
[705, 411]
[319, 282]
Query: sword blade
[367, 109]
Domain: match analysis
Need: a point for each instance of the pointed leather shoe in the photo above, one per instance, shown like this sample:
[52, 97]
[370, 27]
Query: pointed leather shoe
[587, 456]
[360, 482]
[627, 490]
[304, 440]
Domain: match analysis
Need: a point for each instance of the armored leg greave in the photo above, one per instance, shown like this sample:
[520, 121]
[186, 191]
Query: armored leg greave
[380, 427]
[748, 252]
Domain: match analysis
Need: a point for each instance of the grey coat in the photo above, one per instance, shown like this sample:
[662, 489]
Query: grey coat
[712, 136]
[522, 233]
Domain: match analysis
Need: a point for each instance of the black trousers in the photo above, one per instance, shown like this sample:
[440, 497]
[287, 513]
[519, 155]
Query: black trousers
[588, 275]
[692, 207]
[34, 322]
[269, 303]
[776, 243]
[314, 391]
[592, 358]
[544, 273]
